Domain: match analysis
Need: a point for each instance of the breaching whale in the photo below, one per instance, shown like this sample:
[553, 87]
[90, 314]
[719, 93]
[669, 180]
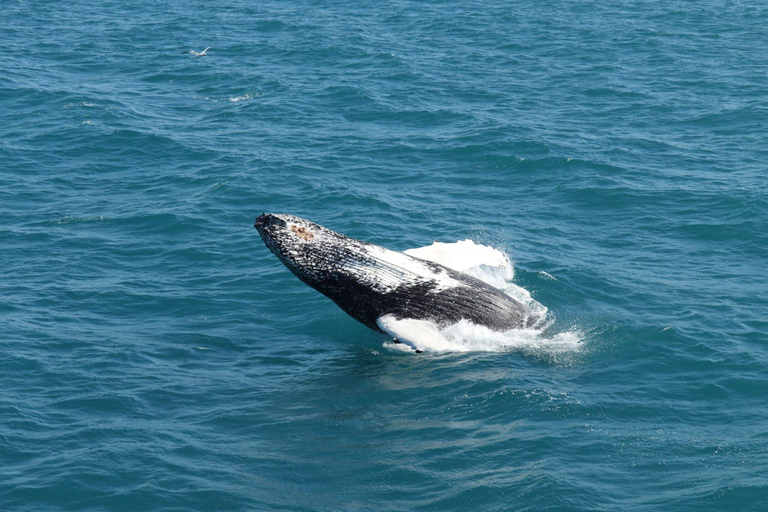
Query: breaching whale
[409, 295]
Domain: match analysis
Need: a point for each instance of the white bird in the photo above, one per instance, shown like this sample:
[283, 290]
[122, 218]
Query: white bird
[199, 54]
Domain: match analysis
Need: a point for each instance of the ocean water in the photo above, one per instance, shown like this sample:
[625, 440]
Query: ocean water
[155, 356]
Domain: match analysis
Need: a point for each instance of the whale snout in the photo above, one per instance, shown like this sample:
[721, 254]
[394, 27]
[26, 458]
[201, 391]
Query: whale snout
[292, 239]
[266, 220]
[262, 220]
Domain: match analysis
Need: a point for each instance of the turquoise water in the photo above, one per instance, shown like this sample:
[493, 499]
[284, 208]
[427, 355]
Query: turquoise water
[154, 355]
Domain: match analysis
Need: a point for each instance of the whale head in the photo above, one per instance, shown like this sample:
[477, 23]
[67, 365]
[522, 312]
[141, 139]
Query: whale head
[309, 250]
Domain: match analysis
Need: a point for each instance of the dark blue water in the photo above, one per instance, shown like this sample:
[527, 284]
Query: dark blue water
[154, 355]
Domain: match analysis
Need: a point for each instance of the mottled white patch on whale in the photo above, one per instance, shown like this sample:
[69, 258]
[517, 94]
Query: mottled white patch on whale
[389, 269]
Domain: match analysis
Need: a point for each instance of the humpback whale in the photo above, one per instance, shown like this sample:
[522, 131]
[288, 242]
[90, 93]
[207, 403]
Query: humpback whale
[409, 295]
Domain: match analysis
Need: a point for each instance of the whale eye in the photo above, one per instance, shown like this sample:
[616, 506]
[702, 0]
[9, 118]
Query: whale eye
[302, 232]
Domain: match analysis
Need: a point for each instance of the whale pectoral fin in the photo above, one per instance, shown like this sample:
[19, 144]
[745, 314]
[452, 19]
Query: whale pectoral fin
[460, 256]
[419, 334]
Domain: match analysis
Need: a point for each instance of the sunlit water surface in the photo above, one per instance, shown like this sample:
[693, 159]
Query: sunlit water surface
[155, 356]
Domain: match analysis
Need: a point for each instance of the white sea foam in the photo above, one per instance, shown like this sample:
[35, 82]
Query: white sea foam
[465, 336]
[476, 338]
[461, 255]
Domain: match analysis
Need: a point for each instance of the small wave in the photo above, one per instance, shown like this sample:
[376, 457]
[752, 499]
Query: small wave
[232, 99]
[70, 220]
[218, 186]
[244, 97]
[80, 104]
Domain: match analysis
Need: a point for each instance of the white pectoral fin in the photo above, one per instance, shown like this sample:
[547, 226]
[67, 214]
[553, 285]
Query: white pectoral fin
[419, 334]
[460, 256]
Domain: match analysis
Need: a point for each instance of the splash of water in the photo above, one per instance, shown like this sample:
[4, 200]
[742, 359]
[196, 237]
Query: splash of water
[465, 336]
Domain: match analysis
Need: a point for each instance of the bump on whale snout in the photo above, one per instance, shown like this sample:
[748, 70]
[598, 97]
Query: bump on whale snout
[263, 220]
[267, 219]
